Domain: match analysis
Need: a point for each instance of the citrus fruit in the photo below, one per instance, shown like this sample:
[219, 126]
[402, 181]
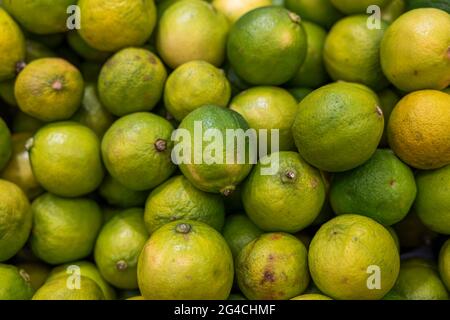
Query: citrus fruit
[130, 81]
[12, 46]
[312, 296]
[185, 260]
[418, 129]
[193, 85]
[418, 280]
[118, 247]
[37, 272]
[61, 288]
[118, 195]
[357, 6]
[300, 93]
[312, 73]
[273, 267]
[86, 269]
[351, 52]
[424, 32]
[388, 100]
[383, 189]
[234, 9]
[321, 12]
[30, 14]
[191, 30]
[412, 232]
[110, 25]
[77, 43]
[287, 200]
[92, 112]
[49, 89]
[206, 165]
[137, 150]
[338, 126]
[394, 236]
[267, 46]
[18, 169]
[444, 264]
[191, 204]
[268, 108]
[15, 283]
[65, 158]
[64, 229]
[6, 145]
[432, 204]
[353, 257]
[15, 219]
[238, 231]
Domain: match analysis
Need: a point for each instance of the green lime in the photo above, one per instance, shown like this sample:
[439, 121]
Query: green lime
[444, 263]
[18, 169]
[86, 269]
[383, 189]
[116, 194]
[131, 81]
[268, 108]
[15, 219]
[111, 25]
[338, 126]
[289, 199]
[207, 166]
[190, 204]
[64, 229]
[137, 150]
[321, 12]
[191, 30]
[66, 160]
[82, 48]
[274, 266]
[75, 288]
[57, 88]
[193, 85]
[312, 73]
[6, 145]
[300, 93]
[393, 10]
[267, 46]
[185, 260]
[432, 204]
[418, 280]
[12, 46]
[15, 283]
[238, 231]
[353, 257]
[118, 247]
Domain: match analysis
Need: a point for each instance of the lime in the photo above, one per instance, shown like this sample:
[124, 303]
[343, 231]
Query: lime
[110, 25]
[312, 296]
[338, 126]
[388, 100]
[137, 150]
[353, 257]
[77, 43]
[185, 260]
[383, 189]
[287, 200]
[15, 219]
[321, 12]
[268, 108]
[15, 283]
[56, 87]
[116, 194]
[267, 46]
[191, 204]
[444, 264]
[191, 30]
[424, 32]
[234, 9]
[130, 81]
[193, 85]
[65, 157]
[37, 272]
[273, 267]
[300, 93]
[60, 288]
[64, 229]
[6, 145]
[238, 231]
[393, 10]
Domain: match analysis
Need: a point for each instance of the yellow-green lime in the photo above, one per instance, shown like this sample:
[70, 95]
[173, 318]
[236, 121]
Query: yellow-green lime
[234, 9]
[15, 283]
[76, 288]
[444, 264]
[321, 12]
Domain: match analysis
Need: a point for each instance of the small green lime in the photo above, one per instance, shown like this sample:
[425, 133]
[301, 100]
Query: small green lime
[238, 231]
[75, 288]
[15, 283]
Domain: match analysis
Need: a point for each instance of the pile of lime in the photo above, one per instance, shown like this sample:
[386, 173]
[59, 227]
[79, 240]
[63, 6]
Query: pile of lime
[224, 149]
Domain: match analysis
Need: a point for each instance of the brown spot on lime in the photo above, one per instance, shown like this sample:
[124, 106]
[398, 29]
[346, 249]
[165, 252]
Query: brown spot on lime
[314, 183]
[392, 183]
[121, 265]
[227, 191]
[20, 66]
[416, 72]
[294, 17]
[276, 236]
[152, 59]
[379, 111]
[344, 280]
[271, 257]
[161, 145]
[183, 228]
[24, 275]
[57, 85]
[268, 277]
